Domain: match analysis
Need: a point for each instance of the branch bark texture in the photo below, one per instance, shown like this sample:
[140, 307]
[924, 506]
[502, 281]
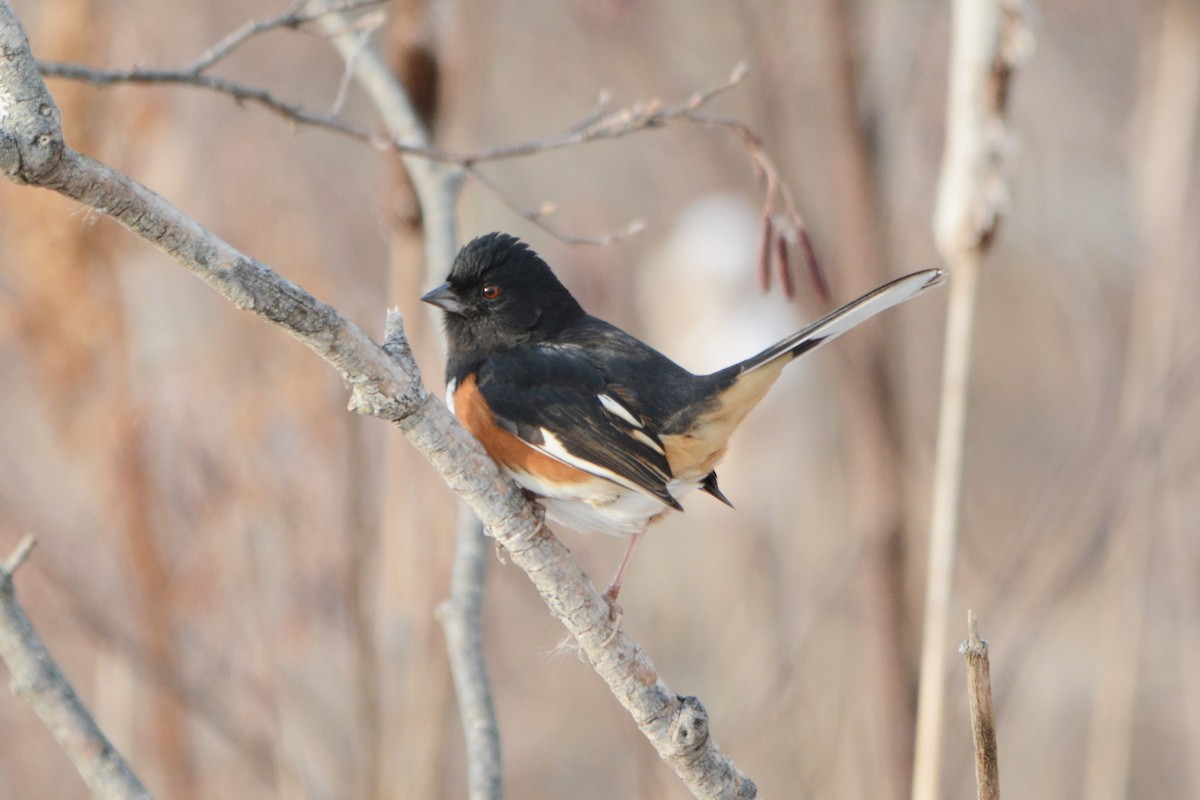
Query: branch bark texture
[384, 382]
[983, 713]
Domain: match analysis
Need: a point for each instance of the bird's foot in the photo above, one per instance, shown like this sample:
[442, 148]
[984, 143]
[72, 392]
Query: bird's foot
[615, 612]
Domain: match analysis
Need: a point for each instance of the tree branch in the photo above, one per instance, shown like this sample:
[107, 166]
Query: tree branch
[384, 382]
[293, 17]
[37, 680]
[461, 617]
[983, 714]
[437, 187]
[989, 40]
[403, 138]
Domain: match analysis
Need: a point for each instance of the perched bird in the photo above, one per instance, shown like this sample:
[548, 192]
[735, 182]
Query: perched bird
[602, 430]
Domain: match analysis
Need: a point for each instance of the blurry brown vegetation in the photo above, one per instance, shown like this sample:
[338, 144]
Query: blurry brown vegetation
[241, 578]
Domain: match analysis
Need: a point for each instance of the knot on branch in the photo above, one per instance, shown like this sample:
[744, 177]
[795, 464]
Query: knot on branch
[39, 154]
[387, 400]
[31, 143]
[747, 790]
[400, 394]
[689, 729]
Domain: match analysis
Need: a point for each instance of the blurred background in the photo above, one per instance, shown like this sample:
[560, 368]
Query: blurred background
[241, 578]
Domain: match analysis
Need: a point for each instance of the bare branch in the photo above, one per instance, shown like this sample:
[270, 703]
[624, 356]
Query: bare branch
[37, 680]
[239, 92]
[641, 116]
[293, 17]
[983, 714]
[600, 124]
[538, 216]
[362, 28]
[989, 39]
[195, 74]
[461, 616]
[384, 382]
[644, 115]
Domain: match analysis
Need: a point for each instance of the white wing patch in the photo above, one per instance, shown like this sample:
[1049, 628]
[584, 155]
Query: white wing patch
[552, 446]
[618, 409]
[450, 387]
[648, 441]
[614, 407]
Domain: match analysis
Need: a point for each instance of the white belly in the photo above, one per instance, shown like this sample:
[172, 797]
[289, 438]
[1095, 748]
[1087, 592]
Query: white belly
[599, 505]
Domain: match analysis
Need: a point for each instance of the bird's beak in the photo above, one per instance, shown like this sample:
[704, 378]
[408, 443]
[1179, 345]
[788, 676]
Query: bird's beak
[444, 298]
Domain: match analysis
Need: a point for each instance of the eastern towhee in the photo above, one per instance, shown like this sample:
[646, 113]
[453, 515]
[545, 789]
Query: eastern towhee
[602, 430]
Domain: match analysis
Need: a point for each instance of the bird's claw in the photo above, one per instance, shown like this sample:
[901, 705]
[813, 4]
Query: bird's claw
[615, 612]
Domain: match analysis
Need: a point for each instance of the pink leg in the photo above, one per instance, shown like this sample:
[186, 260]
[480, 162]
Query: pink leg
[614, 587]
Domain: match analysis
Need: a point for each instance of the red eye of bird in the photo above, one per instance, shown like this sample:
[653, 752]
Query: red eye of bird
[490, 292]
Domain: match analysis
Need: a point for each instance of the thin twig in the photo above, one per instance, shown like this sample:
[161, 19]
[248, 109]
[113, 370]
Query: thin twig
[644, 115]
[989, 39]
[947, 482]
[538, 215]
[599, 124]
[983, 714]
[362, 29]
[640, 116]
[238, 91]
[37, 680]
[461, 616]
[293, 17]
[194, 74]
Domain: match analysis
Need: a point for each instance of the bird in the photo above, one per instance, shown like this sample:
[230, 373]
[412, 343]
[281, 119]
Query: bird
[601, 430]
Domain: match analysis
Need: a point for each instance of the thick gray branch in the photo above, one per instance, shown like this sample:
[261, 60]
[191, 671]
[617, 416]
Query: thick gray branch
[385, 383]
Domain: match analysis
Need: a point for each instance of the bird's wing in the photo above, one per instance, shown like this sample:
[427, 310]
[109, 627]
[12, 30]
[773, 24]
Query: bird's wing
[556, 401]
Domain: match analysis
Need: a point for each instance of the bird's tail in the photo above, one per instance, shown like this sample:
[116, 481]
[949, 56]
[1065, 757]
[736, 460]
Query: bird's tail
[697, 447]
[840, 320]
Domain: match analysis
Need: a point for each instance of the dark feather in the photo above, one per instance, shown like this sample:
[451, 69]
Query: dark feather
[535, 390]
[710, 485]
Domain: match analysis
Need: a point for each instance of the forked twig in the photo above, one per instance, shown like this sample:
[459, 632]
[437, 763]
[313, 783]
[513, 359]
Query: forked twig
[294, 17]
[600, 124]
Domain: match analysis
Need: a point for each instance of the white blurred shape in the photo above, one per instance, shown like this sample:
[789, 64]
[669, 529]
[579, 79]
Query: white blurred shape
[698, 294]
